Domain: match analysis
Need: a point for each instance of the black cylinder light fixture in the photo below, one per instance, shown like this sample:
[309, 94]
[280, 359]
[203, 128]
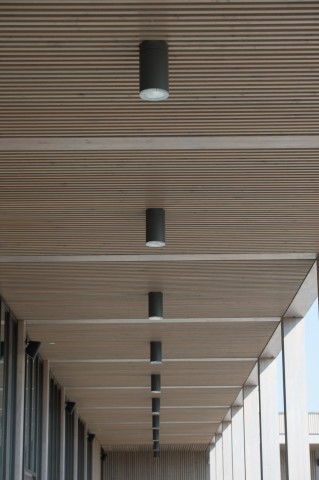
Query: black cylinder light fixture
[103, 455]
[156, 406]
[156, 445]
[155, 383]
[155, 227]
[156, 352]
[155, 305]
[154, 70]
[156, 454]
[91, 437]
[156, 435]
[155, 422]
[70, 407]
[32, 349]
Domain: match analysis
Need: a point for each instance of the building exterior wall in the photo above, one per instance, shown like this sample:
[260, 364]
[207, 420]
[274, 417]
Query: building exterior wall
[186, 465]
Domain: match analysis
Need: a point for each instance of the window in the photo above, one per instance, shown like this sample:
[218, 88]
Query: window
[8, 375]
[69, 444]
[33, 416]
[81, 449]
[54, 430]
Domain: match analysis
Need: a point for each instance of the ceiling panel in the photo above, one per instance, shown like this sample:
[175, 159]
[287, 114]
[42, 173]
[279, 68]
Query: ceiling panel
[216, 201]
[205, 289]
[130, 375]
[234, 67]
[179, 341]
[129, 415]
[141, 399]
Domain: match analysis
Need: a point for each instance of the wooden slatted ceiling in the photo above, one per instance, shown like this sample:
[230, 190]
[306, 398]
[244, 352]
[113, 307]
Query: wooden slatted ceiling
[216, 201]
[123, 415]
[102, 418]
[119, 290]
[235, 68]
[131, 342]
[136, 375]
[72, 68]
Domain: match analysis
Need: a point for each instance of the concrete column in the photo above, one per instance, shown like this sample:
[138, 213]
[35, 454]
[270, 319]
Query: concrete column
[76, 444]
[238, 440]
[227, 451]
[62, 439]
[252, 433]
[45, 421]
[267, 372]
[219, 457]
[295, 399]
[212, 462]
[20, 399]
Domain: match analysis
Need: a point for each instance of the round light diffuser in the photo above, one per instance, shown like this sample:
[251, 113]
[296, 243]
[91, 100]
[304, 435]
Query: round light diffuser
[155, 227]
[155, 305]
[154, 70]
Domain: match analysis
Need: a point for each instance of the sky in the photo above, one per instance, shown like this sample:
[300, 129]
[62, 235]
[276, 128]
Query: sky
[312, 361]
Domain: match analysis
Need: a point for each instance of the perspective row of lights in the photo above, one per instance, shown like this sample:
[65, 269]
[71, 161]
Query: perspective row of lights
[155, 237]
[154, 87]
[156, 359]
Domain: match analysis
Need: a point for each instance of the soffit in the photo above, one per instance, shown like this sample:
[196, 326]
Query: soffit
[216, 201]
[48, 292]
[234, 68]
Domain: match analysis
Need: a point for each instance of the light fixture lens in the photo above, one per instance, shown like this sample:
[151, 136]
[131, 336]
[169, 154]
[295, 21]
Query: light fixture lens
[154, 94]
[155, 244]
[155, 306]
[155, 227]
[156, 352]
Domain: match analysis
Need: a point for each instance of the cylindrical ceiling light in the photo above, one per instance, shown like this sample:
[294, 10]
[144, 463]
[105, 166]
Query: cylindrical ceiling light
[156, 454]
[156, 352]
[156, 406]
[156, 435]
[155, 305]
[155, 422]
[155, 383]
[154, 70]
[155, 227]
[156, 446]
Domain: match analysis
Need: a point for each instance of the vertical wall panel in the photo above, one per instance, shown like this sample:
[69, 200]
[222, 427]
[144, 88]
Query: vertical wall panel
[170, 466]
